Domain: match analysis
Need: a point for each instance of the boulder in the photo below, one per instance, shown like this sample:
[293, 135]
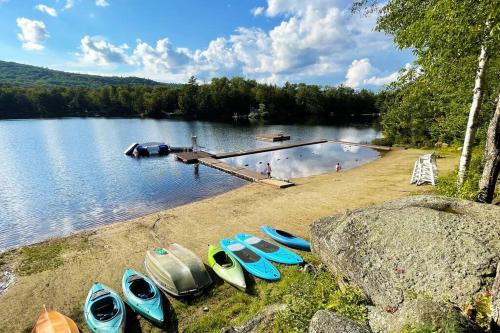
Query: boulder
[413, 313]
[443, 248]
[325, 321]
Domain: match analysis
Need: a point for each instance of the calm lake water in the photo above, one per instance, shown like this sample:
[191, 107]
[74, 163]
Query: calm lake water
[60, 176]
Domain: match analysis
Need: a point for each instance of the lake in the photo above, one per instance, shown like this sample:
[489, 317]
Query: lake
[60, 176]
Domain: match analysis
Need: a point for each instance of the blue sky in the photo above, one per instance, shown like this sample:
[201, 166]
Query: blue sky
[315, 41]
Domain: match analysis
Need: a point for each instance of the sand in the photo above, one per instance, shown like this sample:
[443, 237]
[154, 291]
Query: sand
[103, 254]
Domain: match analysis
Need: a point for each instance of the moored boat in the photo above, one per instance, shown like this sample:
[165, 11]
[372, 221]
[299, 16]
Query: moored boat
[54, 322]
[177, 270]
[143, 296]
[251, 261]
[269, 250]
[147, 149]
[104, 310]
[286, 238]
[226, 267]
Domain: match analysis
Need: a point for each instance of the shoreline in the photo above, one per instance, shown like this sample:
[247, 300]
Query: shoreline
[382, 153]
[58, 272]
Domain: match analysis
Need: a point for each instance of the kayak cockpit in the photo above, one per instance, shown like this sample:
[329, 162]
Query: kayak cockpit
[140, 287]
[222, 259]
[104, 308]
[284, 234]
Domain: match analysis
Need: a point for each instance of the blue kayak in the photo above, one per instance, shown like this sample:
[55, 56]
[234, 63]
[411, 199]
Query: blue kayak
[286, 238]
[143, 296]
[269, 250]
[251, 261]
[104, 310]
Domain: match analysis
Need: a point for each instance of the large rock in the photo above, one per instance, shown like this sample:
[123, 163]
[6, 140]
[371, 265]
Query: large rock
[439, 247]
[413, 313]
[330, 322]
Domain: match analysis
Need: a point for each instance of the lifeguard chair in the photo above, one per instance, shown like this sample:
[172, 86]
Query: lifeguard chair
[425, 170]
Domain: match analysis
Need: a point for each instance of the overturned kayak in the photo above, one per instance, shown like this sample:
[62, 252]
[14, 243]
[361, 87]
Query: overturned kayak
[177, 270]
[286, 238]
[226, 267]
[104, 310]
[54, 322]
[143, 296]
[251, 261]
[147, 149]
[269, 251]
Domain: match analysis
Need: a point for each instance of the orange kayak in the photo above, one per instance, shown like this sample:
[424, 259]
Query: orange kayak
[54, 322]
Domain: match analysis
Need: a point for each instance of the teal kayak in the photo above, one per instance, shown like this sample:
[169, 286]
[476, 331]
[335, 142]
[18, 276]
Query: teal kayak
[251, 261]
[104, 310]
[143, 296]
[286, 238]
[269, 250]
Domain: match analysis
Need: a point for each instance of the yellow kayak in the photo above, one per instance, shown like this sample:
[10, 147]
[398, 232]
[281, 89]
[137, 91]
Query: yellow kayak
[54, 322]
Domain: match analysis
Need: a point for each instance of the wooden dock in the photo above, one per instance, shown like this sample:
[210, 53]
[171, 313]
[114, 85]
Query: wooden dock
[266, 149]
[272, 137]
[192, 156]
[243, 173]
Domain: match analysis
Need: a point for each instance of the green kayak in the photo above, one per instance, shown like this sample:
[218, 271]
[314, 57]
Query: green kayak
[226, 267]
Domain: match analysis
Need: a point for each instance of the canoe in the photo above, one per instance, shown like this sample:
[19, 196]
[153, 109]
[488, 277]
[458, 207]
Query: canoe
[286, 238]
[269, 250]
[251, 261]
[54, 322]
[177, 270]
[104, 310]
[143, 296]
[226, 267]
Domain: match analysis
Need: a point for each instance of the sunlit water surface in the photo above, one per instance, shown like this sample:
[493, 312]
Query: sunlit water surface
[60, 176]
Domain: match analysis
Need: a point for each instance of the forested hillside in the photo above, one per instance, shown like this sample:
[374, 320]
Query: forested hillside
[25, 75]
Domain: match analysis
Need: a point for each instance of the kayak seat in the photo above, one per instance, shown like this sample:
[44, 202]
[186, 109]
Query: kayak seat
[222, 259]
[141, 289]
[104, 309]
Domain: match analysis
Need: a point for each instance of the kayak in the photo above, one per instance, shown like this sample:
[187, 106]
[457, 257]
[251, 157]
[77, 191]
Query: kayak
[286, 238]
[54, 322]
[104, 310]
[177, 270]
[143, 296]
[226, 267]
[269, 250]
[251, 261]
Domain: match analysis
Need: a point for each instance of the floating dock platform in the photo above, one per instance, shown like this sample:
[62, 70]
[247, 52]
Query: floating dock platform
[272, 137]
[266, 149]
[190, 157]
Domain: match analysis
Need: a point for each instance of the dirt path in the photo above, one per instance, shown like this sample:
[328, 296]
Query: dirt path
[59, 273]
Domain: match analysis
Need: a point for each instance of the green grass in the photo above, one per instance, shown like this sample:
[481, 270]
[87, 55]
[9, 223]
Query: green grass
[303, 293]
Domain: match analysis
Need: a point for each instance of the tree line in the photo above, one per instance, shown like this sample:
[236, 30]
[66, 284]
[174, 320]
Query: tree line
[452, 94]
[220, 99]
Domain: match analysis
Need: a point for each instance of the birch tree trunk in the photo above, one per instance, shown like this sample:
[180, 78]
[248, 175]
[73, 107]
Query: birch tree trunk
[488, 180]
[471, 123]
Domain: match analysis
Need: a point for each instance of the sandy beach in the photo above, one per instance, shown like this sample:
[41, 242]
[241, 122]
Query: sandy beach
[58, 273]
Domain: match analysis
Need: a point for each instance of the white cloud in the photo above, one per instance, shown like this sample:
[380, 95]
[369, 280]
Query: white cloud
[69, 4]
[47, 10]
[315, 39]
[96, 50]
[362, 73]
[101, 3]
[256, 11]
[32, 34]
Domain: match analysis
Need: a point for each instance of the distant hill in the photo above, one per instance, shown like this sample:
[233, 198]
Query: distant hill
[13, 73]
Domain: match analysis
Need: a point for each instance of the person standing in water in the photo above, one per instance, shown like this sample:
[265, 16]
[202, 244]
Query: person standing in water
[268, 170]
[338, 167]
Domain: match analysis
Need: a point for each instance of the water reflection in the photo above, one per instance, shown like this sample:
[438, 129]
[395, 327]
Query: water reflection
[60, 176]
[307, 160]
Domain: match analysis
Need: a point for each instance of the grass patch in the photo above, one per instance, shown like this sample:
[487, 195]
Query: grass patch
[303, 293]
[39, 258]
